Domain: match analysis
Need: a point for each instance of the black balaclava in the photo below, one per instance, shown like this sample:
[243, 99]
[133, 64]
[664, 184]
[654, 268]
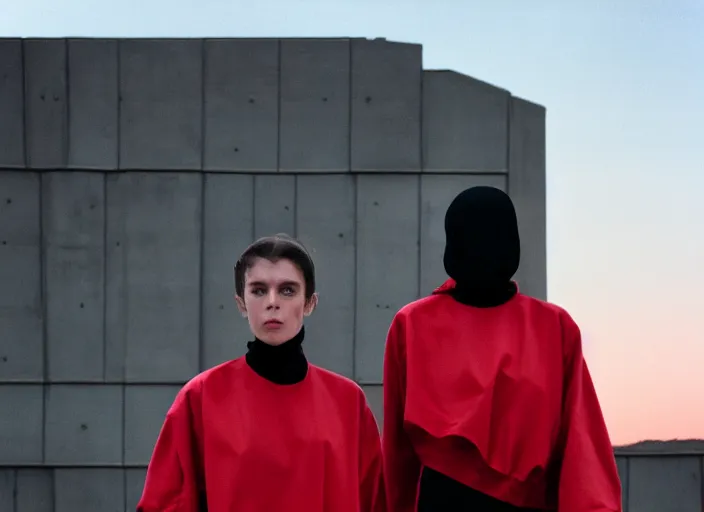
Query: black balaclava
[483, 247]
[280, 364]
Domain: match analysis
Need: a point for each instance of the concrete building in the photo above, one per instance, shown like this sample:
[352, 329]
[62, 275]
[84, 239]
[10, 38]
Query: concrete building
[132, 174]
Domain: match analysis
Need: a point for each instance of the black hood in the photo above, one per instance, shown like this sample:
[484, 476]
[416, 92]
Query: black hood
[483, 247]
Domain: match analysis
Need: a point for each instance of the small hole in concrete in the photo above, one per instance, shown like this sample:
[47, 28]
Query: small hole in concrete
[4, 242]
[340, 235]
[222, 307]
[325, 99]
[237, 150]
[84, 427]
[376, 203]
[368, 99]
[42, 97]
[82, 305]
[117, 244]
[4, 359]
[251, 100]
[286, 208]
[9, 200]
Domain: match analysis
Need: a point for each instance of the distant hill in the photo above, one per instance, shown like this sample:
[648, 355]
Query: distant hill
[669, 446]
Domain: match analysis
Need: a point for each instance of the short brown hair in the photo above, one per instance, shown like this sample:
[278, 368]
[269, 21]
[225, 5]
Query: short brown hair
[274, 248]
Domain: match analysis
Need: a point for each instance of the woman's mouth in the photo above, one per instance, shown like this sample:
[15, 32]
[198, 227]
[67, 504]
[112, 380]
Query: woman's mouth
[273, 324]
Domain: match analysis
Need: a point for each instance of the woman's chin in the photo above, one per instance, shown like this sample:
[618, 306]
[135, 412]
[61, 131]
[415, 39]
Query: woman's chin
[274, 336]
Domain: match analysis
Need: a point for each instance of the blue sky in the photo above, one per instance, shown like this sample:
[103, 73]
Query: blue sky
[623, 82]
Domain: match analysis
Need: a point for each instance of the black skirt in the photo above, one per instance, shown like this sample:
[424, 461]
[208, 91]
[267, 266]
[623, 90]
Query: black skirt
[440, 493]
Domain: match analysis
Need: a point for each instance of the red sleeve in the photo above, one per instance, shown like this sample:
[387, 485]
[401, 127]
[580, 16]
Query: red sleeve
[401, 465]
[371, 467]
[172, 478]
[588, 480]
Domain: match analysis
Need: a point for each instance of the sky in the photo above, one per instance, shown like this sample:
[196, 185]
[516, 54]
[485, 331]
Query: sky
[623, 84]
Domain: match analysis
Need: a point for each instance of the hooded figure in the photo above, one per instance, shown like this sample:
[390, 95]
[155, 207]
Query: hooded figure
[483, 248]
[488, 402]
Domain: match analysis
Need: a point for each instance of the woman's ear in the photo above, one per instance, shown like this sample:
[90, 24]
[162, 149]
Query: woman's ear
[241, 305]
[311, 304]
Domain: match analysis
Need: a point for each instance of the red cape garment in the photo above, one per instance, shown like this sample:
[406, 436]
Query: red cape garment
[499, 399]
[255, 446]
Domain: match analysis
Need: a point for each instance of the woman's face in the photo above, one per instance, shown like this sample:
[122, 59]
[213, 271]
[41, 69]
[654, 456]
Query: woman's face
[274, 300]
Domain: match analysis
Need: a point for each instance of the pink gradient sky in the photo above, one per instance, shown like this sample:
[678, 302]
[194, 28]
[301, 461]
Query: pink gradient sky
[622, 82]
[634, 287]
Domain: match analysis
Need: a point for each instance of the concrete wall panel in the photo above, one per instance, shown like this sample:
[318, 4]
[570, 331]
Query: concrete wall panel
[93, 104]
[315, 105]
[34, 491]
[83, 424]
[622, 463]
[156, 220]
[665, 483]
[386, 106]
[90, 489]
[134, 485]
[46, 109]
[241, 105]
[387, 263]
[465, 124]
[274, 205]
[21, 421]
[527, 187]
[21, 342]
[437, 192]
[145, 410]
[11, 104]
[161, 101]
[7, 489]
[375, 399]
[73, 211]
[325, 216]
[116, 290]
[228, 221]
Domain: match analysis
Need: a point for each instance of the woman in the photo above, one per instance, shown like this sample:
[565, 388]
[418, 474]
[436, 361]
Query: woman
[268, 432]
[488, 402]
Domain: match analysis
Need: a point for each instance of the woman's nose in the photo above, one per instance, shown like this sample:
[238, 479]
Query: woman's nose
[272, 300]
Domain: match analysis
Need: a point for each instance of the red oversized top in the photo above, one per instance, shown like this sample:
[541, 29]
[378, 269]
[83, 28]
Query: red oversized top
[499, 399]
[254, 446]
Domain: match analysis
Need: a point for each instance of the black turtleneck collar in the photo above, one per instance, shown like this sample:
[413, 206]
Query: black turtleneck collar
[484, 297]
[280, 364]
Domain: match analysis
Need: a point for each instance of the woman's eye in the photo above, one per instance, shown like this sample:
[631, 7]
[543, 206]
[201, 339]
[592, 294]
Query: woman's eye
[288, 290]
